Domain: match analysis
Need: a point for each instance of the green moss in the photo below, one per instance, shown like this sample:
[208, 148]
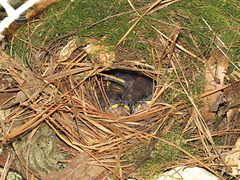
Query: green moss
[164, 153]
[222, 16]
[62, 18]
[81, 14]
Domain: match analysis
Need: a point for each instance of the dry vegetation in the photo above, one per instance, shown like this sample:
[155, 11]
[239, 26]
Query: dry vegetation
[60, 85]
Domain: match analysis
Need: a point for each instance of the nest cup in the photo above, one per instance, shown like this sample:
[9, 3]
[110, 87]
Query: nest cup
[121, 102]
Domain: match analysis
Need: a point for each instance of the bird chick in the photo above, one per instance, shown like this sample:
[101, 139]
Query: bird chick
[114, 101]
[143, 104]
[119, 109]
[136, 87]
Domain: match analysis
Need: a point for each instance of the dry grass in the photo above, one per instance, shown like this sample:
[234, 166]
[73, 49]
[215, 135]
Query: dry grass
[64, 95]
[62, 92]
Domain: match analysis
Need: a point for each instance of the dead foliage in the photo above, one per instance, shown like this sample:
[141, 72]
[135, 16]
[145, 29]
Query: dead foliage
[60, 90]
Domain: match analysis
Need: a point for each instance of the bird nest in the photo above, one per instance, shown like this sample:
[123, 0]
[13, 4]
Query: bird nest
[91, 100]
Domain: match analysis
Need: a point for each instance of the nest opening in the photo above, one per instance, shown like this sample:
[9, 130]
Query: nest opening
[124, 92]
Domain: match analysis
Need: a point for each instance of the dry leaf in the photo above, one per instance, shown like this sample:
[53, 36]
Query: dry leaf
[76, 170]
[233, 158]
[215, 72]
[67, 50]
[100, 52]
[39, 7]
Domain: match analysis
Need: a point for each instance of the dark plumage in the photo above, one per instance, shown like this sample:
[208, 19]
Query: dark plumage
[114, 101]
[136, 89]
[142, 104]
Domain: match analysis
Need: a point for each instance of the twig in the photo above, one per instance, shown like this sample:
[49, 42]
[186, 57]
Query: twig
[131, 28]
[7, 166]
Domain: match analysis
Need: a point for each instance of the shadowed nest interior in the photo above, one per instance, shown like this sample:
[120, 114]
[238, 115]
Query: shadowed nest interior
[128, 94]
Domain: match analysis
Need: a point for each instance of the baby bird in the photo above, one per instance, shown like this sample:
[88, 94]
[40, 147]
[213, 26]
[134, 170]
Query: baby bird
[136, 90]
[143, 104]
[114, 101]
